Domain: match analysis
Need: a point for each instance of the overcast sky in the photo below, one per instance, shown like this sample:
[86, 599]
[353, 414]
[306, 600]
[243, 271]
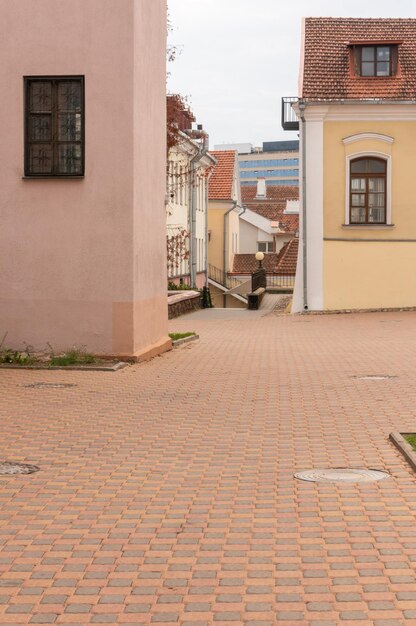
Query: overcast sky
[239, 57]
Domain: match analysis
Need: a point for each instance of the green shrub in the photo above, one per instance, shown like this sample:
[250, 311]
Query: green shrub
[181, 287]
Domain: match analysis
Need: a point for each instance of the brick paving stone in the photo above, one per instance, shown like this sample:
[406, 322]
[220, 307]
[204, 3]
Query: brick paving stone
[166, 491]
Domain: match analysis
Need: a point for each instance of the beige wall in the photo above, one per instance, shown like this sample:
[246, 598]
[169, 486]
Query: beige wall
[217, 299]
[369, 266]
[369, 275]
[216, 212]
[83, 261]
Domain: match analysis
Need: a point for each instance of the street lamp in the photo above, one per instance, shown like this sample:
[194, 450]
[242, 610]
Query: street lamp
[259, 258]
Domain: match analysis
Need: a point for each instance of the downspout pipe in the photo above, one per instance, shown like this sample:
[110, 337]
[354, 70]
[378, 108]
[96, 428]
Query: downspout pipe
[302, 107]
[206, 227]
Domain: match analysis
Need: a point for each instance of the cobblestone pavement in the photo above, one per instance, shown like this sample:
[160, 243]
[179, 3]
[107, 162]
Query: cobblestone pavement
[166, 492]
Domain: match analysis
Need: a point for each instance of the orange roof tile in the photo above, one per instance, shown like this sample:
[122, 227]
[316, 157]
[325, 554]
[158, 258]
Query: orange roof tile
[247, 263]
[272, 207]
[288, 258]
[221, 181]
[282, 263]
[328, 44]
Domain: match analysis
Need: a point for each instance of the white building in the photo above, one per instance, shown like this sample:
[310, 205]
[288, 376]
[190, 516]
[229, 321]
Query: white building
[189, 168]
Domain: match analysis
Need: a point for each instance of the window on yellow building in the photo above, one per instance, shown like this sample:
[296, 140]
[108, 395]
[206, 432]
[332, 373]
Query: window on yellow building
[368, 191]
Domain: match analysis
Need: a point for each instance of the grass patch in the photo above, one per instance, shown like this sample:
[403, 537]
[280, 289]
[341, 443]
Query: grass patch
[176, 336]
[411, 439]
[75, 356]
[72, 356]
[14, 357]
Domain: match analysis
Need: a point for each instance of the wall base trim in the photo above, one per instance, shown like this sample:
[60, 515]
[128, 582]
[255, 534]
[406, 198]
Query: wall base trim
[146, 354]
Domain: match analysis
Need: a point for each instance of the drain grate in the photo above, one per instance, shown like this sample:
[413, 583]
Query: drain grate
[50, 385]
[8, 468]
[374, 377]
[341, 475]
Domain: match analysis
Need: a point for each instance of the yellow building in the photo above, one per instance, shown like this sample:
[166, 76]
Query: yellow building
[224, 208]
[357, 118]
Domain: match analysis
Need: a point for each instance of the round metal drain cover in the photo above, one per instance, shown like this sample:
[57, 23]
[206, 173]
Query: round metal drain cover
[7, 468]
[341, 475]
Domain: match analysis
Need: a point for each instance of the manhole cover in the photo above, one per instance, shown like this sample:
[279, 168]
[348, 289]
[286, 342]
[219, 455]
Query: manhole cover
[374, 377]
[7, 467]
[50, 385]
[341, 475]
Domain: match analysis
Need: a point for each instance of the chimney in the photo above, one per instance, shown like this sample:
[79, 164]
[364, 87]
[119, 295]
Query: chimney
[261, 188]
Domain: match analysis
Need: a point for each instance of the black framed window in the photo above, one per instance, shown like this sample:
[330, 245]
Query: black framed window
[368, 191]
[376, 61]
[54, 126]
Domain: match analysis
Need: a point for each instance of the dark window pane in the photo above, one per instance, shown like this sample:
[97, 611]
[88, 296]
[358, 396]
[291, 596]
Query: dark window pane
[367, 69]
[358, 199]
[376, 200]
[367, 53]
[358, 184]
[69, 159]
[383, 53]
[376, 166]
[69, 127]
[376, 215]
[69, 96]
[357, 215]
[363, 166]
[376, 184]
[41, 158]
[358, 167]
[383, 69]
[40, 96]
[40, 128]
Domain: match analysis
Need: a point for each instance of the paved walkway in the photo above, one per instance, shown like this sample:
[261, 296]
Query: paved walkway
[269, 303]
[166, 491]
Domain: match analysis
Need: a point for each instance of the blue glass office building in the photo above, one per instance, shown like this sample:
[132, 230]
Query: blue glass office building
[276, 161]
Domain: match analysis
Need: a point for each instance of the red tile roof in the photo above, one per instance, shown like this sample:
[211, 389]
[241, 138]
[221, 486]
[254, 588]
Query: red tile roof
[221, 181]
[328, 45]
[272, 207]
[288, 258]
[282, 263]
[247, 263]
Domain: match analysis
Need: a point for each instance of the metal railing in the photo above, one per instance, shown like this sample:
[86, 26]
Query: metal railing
[290, 120]
[280, 282]
[221, 277]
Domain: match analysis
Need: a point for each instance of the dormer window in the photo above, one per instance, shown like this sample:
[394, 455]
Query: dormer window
[375, 60]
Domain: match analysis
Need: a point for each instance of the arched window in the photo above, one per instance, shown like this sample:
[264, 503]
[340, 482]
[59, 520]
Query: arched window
[368, 191]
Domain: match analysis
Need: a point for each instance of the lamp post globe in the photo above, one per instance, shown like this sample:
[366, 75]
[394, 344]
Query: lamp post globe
[259, 258]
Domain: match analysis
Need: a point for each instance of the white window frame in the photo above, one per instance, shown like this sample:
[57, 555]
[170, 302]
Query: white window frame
[268, 244]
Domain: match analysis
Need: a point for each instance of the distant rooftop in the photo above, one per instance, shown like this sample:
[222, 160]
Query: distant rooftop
[280, 146]
[268, 146]
[332, 68]
[221, 182]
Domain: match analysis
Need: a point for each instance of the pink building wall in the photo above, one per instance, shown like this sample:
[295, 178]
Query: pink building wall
[83, 261]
